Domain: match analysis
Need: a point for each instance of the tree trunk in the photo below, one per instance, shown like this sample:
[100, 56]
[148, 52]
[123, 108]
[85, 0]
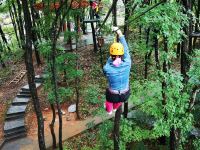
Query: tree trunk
[77, 97]
[31, 75]
[34, 35]
[147, 56]
[165, 71]
[116, 128]
[69, 38]
[77, 81]
[20, 25]
[156, 50]
[197, 23]
[54, 79]
[114, 12]
[52, 126]
[172, 139]
[4, 39]
[185, 51]
[127, 14]
[126, 109]
[178, 50]
[164, 87]
[126, 34]
[1, 59]
[55, 89]
[54, 36]
[2, 62]
[14, 24]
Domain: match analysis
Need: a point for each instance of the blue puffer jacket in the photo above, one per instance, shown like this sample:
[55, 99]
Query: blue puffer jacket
[118, 77]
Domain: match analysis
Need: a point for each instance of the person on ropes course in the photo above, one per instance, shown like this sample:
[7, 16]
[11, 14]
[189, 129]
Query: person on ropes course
[117, 71]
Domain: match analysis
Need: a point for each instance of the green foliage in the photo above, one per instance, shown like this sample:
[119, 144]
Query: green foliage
[66, 68]
[168, 19]
[45, 48]
[196, 144]
[4, 7]
[194, 72]
[148, 93]
[96, 147]
[104, 136]
[140, 146]
[67, 62]
[93, 95]
[69, 34]
[151, 103]
[130, 132]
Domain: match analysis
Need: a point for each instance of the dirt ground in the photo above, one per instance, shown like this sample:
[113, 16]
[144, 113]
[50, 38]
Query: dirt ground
[87, 61]
[8, 91]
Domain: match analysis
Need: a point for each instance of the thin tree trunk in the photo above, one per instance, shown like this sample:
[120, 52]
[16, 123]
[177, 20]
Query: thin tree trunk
[197, 23]
[77, 97]
[172, 139]
[4, 38]
[178, 50]
[156, 50]
[2, 62]
[34, 35]
[14, 24]
[126, 109]
[165, 71]
[164, 87]
[116, 128]
[1, 59]
[77, 81]
[114, 12]
[185, 62]
[31, 74]
[126, 34]
[127, 14]
[140, 33]
[54, 78]
[54, 37]
[55, 88]
[19, 20]
[69, 29]
[20, 25]
[52, 126]
[147, 56]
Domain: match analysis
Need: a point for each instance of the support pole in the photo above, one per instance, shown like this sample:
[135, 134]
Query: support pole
[116, 128]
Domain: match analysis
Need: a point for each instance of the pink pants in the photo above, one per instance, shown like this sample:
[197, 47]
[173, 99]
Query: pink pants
[110, 106]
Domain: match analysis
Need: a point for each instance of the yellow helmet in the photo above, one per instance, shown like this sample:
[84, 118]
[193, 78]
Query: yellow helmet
[116, 49]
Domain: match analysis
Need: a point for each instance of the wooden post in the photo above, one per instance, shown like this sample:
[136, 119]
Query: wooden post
[116, 128]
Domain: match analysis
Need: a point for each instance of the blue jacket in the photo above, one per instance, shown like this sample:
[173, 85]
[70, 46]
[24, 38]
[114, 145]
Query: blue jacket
[118, 77]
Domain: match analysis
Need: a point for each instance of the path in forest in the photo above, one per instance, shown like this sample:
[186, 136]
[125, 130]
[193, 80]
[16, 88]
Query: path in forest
[14, 125]
[71, 128]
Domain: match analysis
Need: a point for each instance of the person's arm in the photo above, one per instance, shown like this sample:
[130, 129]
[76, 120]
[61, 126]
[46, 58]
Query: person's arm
[126, 49]
[124, 43]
